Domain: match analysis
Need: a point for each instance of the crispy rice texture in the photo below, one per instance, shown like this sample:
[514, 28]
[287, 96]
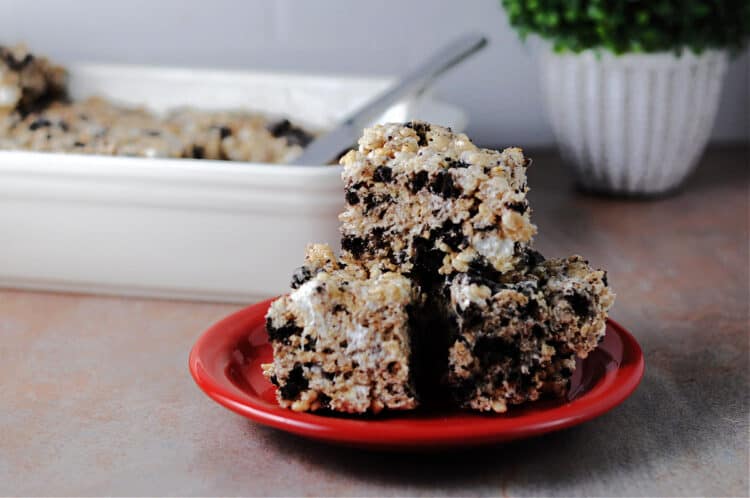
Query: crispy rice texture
[515, 340]
[341, 340]
[424, 200]
[436, 284]
[35, 114]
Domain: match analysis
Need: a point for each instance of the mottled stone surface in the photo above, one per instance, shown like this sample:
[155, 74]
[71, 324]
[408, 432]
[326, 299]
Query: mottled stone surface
[96, 399]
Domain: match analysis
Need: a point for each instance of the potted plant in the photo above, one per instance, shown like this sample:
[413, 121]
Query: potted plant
[632, 86]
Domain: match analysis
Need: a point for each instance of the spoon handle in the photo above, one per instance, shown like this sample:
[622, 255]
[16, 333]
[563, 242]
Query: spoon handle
[329, 145]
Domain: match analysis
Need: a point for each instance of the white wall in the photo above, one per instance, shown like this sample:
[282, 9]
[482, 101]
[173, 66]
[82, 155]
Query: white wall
[499, 87]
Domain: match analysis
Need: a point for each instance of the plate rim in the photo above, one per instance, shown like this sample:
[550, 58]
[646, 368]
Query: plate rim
[614, 388]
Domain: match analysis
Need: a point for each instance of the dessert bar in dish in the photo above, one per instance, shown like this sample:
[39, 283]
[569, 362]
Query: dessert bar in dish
[196, 211]
[36, 114]
[480, 317]
[28, 83]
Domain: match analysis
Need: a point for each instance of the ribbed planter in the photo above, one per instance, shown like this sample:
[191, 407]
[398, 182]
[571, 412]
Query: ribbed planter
[632, 124]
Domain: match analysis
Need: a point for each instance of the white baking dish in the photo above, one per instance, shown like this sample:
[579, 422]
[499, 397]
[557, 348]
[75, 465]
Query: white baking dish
[181, 228]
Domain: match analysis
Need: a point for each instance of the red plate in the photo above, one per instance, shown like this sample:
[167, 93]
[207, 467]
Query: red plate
[225, 362]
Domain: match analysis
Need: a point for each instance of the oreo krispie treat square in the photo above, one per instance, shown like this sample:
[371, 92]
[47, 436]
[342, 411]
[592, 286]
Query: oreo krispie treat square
[27, 82]
[341, 339]
[427, 202]
[517, 338]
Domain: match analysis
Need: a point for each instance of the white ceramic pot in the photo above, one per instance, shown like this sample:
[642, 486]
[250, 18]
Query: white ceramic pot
[636, 123]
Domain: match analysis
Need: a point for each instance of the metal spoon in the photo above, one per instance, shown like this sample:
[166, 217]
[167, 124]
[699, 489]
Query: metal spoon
[328, 146]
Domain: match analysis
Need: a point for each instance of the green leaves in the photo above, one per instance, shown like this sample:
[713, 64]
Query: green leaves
[634, 25]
